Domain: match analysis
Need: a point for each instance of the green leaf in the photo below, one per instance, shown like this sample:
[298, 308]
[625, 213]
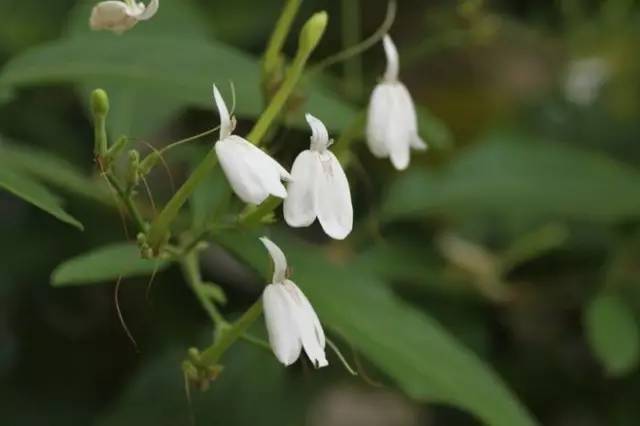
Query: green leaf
[36, 194]
[413, 349]
[433, 130]
[209, 198]
[52, 170]
[252, 389]
[612, 332]
[525, 178]
[180, 70]
[105, 264]
[138, 111]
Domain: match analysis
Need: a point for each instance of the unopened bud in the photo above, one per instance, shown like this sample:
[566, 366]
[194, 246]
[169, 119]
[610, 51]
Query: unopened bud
[312, 32]
[99, 103]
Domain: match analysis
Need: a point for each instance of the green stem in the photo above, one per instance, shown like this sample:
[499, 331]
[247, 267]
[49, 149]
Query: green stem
[278, 37]
[160, 226]
[191, 272]
[128, 202]
[254, 215]
[211, 356]
[350, 36]
[310, 35]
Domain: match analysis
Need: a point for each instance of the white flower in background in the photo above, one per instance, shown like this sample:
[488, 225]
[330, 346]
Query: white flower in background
[292, 324]
[585, 78]
[120, 16]
[252, 173]
[392, 125]
[319, 188]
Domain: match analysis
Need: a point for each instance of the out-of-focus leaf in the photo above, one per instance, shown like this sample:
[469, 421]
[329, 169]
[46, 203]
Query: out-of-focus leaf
[51, 170]
[36, 194]
[138, 111]
[526, 179]
[208, 198]
[253, 389]
[433, 130]
[612, 332]
[413, 349]
[104, 264]
[181, 69]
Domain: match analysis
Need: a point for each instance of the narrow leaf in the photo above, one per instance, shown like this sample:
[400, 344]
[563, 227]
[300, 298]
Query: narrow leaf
[506, 176]
[105, 264]
[36, 194]
[413, 349]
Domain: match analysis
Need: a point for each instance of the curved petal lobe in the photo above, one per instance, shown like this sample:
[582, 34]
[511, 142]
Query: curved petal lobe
[309, 327]
[333, 198]
[299, 206]
[281, 326]
[279, 260]
[319, 133]
[150, 10]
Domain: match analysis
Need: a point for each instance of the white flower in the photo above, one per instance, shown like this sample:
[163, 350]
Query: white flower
[252, 173]
[585, 78]
[120, 16]
[319, 188]
[292, 324]
[392, 125]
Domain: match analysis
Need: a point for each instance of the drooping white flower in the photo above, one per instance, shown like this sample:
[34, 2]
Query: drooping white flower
[120, 16]
[319, 187]
[251, 172]
[392, 125]
[292, 324]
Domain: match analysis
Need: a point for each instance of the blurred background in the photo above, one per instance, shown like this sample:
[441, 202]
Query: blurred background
[498, 276]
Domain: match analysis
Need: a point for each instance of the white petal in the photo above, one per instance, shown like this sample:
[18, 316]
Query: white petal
[409, 113]
[393, 63]
[149, 11]
[283, 331]
[309, 327]
[333, 198]
[239, 175]
[377, 119]
[112, 15]
[279, 260]
[225, 118]
[299, 206]
[319, 134]
[251, 172]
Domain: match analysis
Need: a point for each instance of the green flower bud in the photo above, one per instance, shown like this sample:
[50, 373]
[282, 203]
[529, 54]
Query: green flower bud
[99, 103]
[312, 32]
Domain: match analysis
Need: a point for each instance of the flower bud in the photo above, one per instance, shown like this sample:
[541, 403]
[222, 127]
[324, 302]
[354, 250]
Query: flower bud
[99, 103]
[312, 32]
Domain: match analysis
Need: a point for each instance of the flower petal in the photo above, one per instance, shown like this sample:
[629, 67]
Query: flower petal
[377, 120]
[225, 118]
[251, 172]
[279, 260]
[319, 134]
[149, 11]
[281, 325]
[241, 178]
[309, 328]
[333, 197]
[299, 206]
[111, 15]
[393, 63]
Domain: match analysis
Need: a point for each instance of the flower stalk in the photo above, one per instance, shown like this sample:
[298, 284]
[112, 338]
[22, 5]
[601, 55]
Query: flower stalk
[309, 38]
[273, 54]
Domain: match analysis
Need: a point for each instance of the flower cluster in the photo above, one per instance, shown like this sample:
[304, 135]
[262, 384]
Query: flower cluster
[316, 188]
